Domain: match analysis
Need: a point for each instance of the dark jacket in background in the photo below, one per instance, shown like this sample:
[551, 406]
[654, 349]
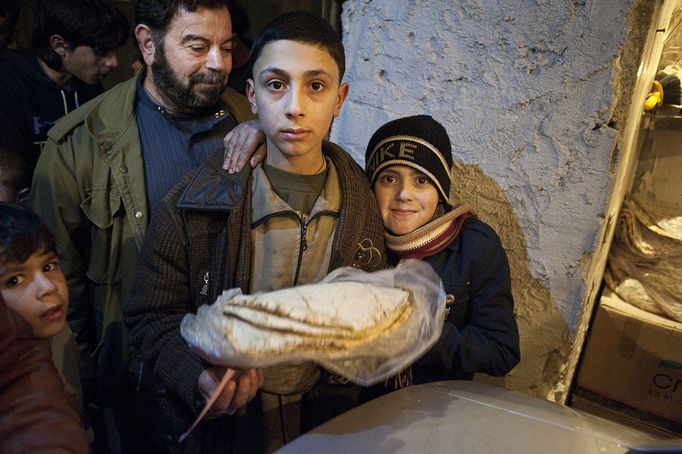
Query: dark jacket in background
[30, 103]
[480, 332]
[36, 413]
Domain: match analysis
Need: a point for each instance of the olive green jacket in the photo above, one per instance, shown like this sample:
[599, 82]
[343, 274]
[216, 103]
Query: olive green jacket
[89, 188]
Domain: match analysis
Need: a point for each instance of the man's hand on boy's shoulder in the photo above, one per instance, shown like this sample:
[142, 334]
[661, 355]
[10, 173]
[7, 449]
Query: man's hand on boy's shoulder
[245, 142]
[236, 394]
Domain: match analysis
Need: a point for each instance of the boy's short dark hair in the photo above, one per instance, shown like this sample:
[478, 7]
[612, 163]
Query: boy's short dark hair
[158, 14]
[13, 170]
[94, 23]
[303, 27]
[22, 234]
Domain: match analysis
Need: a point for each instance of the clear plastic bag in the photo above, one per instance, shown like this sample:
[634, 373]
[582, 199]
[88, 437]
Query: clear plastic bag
[365, 364]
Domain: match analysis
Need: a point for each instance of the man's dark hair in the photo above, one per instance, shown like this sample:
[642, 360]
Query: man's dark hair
[22, 234]
[95, 23]
[157, 14]
[303, 27]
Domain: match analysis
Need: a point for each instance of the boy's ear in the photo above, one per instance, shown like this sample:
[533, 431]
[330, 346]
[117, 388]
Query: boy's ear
[251, 94]
[59, 45]
[341, 96]
[143, 35]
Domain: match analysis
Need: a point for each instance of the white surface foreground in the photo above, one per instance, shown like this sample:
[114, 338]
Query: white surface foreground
[470, 417]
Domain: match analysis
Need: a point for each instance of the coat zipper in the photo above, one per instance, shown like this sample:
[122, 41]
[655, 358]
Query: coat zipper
[304, 221]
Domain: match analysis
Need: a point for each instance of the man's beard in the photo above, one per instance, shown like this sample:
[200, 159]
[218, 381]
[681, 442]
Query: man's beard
[184, 97]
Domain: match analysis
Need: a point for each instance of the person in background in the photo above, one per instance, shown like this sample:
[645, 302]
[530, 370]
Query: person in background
[309, 202]
[408, 162]
[107, 164]
[73, 47]
[33, 285]
[9, 15]
[36, 414]
[242, 46]
[14, 180]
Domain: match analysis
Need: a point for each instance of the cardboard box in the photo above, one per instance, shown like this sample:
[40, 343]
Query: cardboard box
[634, 357]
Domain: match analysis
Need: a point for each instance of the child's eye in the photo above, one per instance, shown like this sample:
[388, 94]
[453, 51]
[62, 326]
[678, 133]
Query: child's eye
[275, 85]
[422, 180]
[387, 179]
[51, 266]
[12, 281]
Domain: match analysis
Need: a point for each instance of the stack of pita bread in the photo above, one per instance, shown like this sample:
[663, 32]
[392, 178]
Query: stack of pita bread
[361, 325]
[332, 318]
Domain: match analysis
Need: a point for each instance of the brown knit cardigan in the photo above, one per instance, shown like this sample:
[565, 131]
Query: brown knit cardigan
[203, 226]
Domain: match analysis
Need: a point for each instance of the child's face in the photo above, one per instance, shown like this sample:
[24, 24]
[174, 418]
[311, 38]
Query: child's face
[407, 199]
[36, 290]
[296, 93]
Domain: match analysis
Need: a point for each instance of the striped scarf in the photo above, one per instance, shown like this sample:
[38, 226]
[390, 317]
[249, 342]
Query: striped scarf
[426, 241]
[430, 238]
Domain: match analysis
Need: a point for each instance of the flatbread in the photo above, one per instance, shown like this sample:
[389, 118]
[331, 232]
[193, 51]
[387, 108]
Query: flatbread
[328, 317]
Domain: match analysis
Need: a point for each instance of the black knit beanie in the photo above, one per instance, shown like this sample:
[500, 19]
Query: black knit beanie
[419, 142]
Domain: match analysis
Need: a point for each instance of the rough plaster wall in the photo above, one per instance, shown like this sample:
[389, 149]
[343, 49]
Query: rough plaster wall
[525, 91]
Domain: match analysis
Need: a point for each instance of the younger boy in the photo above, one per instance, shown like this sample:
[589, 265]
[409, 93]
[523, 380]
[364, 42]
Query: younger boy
[33, 285]
[305, 212]
[408, 162]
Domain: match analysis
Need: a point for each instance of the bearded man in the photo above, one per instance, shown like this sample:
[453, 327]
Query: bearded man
[107, 164]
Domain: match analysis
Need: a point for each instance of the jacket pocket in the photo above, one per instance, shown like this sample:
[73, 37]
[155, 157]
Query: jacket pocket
[458, 294]
[101, 208]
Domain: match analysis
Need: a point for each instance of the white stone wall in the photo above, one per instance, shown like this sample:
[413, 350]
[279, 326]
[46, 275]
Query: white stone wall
[525, 90]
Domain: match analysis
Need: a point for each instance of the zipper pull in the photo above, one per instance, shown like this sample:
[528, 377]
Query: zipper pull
[304, 231]
[204, 289]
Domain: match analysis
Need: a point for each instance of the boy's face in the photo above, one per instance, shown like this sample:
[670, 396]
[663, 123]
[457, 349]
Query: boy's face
[407, 199]
[87, 65]
[36, 290]
[296, 93]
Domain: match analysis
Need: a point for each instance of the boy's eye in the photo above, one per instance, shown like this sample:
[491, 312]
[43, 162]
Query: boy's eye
[317, 86]
[51, 266]
[422, 180]
[276, 84]
[11, 281]
[387, 178]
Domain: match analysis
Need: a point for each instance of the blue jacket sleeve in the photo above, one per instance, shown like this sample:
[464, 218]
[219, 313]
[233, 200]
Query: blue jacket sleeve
[480, 333]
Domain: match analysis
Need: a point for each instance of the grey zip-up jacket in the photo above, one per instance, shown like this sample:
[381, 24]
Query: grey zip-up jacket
[204, 225]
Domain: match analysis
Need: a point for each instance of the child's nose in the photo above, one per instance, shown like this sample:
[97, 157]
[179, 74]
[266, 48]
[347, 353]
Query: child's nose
[111, 60]
[404, 193]
[44, 284]
[295, 103]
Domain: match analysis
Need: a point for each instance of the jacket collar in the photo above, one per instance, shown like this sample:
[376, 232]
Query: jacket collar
[111, 117]
[211, 188]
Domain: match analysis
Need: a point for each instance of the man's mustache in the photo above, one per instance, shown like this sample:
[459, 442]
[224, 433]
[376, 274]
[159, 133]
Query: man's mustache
[217, 78]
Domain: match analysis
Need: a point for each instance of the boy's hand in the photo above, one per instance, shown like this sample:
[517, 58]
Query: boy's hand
[246, 142]
[238, 391]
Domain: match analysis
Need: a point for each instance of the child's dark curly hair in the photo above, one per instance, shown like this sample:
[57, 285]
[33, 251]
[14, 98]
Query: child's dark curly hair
[22, 234]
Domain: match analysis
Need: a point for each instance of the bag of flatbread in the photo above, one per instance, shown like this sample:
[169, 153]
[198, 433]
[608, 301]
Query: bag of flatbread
[363, 326]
